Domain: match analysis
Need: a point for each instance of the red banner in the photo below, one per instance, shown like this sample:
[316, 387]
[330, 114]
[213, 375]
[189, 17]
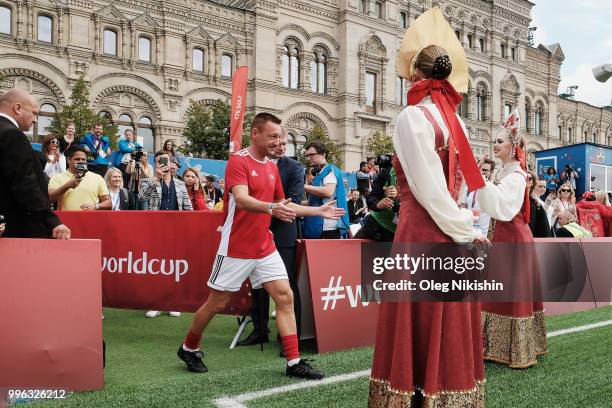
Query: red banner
[155, 260]
[52, 320]
[332, 269]
[239, 88]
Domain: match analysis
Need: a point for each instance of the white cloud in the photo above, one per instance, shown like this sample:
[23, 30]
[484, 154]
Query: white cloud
[589, 89]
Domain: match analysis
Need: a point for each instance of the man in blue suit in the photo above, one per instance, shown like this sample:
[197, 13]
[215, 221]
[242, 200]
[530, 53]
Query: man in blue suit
[98, 150]
[285, 235]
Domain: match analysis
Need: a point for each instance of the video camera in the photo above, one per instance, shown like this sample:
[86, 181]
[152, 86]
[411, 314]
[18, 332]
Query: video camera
[137, 154]
[82, 167]
[384, 161]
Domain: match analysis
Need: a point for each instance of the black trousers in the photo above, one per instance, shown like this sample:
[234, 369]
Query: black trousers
[261, 300]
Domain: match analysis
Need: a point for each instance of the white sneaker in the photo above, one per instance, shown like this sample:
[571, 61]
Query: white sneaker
[175, 314]
[152, 313]
[274, 314]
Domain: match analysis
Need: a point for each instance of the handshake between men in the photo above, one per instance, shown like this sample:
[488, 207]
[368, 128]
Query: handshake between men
[285, 210]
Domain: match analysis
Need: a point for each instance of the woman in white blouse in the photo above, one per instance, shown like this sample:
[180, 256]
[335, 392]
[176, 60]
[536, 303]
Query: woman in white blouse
[121, 198]
[56, 162]
[514, 333]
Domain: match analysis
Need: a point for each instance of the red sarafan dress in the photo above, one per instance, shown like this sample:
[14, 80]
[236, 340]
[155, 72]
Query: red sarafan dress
[434, 348]
[514, 333]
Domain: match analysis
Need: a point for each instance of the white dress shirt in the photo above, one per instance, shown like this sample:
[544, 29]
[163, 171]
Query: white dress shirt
[504, 200]
[414, 143]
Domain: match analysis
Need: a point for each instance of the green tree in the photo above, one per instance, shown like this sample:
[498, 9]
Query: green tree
[82, 115]
[333, 152]
[380, 144]
[207, 130]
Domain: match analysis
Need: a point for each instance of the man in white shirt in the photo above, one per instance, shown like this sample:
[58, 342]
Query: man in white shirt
[469, 200]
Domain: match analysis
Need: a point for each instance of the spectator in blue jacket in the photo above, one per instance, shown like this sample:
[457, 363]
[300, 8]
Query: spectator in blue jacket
[127, 145]
[98, 150]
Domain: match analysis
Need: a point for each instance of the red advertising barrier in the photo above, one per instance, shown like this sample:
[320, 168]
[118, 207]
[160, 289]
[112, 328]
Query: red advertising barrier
[155, 260]
[51, 315]
[342, 315]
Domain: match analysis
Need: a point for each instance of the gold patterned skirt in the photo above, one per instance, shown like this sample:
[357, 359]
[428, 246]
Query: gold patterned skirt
[382, 395]
[512, 339]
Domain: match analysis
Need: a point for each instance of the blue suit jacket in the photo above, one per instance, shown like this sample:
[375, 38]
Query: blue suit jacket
[88, 140]
[292, 178]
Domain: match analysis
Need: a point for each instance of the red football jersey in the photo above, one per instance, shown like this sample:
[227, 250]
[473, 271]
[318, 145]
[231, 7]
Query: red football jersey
[246, 234]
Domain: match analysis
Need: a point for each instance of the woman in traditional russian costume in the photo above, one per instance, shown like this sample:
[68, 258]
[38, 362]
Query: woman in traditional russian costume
[429, 354]
[514, 333]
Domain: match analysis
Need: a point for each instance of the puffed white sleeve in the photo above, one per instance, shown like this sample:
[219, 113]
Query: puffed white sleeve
[414, 143]
[504, 200]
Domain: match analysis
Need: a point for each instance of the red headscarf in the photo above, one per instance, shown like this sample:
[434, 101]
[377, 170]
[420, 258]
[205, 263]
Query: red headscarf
[447, 100]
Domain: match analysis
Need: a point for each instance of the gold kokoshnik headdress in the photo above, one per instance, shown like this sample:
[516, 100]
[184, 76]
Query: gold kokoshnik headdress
[431, 28]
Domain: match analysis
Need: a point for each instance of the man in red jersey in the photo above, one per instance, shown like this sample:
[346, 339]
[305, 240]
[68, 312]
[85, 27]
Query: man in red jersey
[253, 194]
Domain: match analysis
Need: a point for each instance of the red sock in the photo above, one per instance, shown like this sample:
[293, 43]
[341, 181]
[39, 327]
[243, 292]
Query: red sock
[192, 341]
[290, 346]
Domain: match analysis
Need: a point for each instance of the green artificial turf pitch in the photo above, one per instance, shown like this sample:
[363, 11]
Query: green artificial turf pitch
[143, 370]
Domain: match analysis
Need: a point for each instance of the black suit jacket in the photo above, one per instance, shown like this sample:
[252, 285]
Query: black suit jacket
[24, 197]
[292, 178]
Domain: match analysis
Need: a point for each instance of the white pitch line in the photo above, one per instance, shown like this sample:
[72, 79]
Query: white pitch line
[237, 400]
[579, 328]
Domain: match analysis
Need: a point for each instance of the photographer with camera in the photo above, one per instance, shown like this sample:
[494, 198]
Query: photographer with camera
[137, 171]
[324, 185]
[383, 202]
[128, 150]
[78, 188]
[569, 176]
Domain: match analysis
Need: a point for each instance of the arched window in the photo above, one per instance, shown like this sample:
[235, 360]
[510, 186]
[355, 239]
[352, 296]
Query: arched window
[45, 28]
[503, 50]
[144, 49]
[538, 119]
[371, 92]
[105, 115]
[481, 42]
[569, 135]
[227, 65]
[110, 42]
[470, 41]
[197, 60]
[6, 20]
[145, 134]
[513, 53]
[291, 64]
[481, 102]
[363, 6]
[45, 118]
[318, 71]
[124, 123]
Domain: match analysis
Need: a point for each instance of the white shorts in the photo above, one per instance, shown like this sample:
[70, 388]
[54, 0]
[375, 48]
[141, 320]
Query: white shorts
[228, 273]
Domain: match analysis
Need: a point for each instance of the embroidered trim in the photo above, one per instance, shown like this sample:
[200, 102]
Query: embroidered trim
[382, 395]
[514, 341]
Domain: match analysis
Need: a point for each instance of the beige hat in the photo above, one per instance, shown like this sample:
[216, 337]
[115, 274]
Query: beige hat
[431, 28]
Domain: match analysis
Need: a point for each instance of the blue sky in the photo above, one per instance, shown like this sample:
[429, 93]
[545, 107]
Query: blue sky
[584, 30]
